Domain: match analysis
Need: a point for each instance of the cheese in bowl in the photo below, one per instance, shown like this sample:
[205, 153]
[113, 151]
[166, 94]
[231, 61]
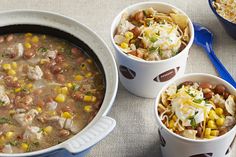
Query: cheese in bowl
[198, 110]
[226, 9]
[152, 35]
[50, 90]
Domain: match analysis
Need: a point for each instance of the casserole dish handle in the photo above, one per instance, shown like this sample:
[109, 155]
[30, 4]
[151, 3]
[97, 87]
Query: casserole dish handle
[91, 136]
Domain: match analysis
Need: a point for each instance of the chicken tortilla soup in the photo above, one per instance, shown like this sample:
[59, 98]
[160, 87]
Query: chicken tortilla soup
[49, 91]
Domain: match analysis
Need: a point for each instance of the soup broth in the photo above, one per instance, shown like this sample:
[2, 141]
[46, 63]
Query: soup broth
[49, 90]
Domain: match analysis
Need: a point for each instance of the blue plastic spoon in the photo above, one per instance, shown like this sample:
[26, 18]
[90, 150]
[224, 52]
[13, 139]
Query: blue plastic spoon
[204, 38]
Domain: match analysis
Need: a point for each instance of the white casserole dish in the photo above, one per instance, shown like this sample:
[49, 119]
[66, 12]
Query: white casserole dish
[101, 125]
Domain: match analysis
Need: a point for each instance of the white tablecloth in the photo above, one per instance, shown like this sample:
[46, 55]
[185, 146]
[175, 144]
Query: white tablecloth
[136, 132]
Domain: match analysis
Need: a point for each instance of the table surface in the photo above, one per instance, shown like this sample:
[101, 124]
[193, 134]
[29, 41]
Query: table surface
[136, 132]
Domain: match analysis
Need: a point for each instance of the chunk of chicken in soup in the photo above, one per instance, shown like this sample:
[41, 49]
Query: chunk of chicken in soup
[50, 90]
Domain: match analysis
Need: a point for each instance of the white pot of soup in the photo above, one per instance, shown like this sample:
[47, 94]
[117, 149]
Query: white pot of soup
[58, 80]
[196, 115]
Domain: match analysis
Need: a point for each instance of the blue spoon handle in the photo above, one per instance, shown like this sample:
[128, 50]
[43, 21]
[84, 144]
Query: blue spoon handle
[224, 74]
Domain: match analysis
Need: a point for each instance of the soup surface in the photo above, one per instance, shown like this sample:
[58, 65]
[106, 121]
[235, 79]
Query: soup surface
[49, 91]
[198, 110]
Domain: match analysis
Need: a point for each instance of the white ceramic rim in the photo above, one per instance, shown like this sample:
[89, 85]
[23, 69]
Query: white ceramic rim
[113, 27]
[179, 136]
[99, 114]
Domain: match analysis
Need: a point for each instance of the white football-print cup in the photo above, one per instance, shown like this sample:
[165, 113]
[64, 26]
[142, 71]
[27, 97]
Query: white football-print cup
[174, 145]
[146, 78]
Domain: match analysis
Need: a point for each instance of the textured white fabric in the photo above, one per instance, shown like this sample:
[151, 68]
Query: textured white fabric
[136, 132]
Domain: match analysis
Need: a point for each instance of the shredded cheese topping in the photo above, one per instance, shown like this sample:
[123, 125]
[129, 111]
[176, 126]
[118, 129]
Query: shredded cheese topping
[226, 9]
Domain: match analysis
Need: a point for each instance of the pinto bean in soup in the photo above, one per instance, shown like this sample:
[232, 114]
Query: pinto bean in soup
[49, 90]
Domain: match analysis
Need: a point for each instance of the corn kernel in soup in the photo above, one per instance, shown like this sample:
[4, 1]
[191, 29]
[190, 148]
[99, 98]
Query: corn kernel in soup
[41, 94]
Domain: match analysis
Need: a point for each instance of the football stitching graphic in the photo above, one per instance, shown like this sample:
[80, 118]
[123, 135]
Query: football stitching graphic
[126, 72]
[167, 75]
[203, 155]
